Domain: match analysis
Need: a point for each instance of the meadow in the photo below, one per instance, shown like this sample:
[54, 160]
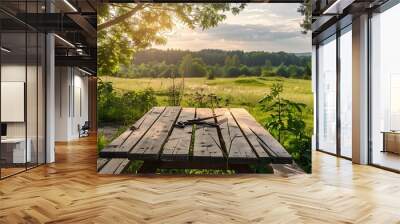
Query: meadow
[237, 92]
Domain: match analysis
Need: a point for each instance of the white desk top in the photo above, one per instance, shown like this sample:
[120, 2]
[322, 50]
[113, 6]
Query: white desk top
[12, 140]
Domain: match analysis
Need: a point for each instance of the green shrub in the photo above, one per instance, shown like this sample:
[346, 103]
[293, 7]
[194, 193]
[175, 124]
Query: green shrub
[122, 107]
[249, 81]
[286, 123]
[101, 141]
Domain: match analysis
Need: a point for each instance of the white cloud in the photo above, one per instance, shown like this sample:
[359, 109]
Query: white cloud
[259, 27]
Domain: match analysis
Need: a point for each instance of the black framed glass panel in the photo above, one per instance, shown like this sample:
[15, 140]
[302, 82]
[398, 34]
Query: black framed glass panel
[22, 89]
[15, 151]
[345, 60]
[385, 89]
[327, 95]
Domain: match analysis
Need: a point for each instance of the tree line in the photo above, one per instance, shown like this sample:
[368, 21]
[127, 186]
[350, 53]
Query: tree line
[216, 63]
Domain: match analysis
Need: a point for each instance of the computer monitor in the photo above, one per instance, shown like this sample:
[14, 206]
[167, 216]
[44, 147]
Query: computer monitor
[3, 129]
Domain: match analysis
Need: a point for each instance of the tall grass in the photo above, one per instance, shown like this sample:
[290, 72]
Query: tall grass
[235, 92]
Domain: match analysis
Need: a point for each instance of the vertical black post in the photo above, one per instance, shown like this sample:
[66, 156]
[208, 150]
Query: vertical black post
[45, 89]
[369, 90]
[26, 86]
[316, 97]
[338, 73]
[37, 90]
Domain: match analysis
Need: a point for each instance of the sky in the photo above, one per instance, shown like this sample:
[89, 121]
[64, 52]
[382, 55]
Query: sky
[259, 27]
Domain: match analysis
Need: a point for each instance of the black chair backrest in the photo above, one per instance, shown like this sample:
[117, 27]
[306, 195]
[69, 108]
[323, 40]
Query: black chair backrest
[86, 125]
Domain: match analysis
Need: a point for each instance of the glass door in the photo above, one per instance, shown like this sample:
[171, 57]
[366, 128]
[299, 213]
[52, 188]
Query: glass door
[346, 95]
[385, 89]
[22, 101]
[327, 95]
[14, 153]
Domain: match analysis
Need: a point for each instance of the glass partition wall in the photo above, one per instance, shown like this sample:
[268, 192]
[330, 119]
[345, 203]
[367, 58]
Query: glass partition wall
[345, 89]
[22, 98]
[385, 89]
[334, 94]
[327, 95]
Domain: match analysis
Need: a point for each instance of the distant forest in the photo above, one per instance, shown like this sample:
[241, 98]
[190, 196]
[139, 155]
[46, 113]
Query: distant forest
[217, 63]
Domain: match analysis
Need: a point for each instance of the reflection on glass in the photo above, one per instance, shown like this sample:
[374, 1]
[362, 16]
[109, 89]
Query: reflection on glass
[327, 96]
[31, 97]
[41, 99]
[346, 94]
[14, 151]
[385, 89]
[22, 90]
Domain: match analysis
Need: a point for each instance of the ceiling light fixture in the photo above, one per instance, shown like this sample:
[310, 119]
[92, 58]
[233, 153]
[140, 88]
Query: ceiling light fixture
[70, 5]
[5, 50]
[65, 41]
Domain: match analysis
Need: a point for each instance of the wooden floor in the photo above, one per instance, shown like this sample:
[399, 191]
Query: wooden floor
[70, 191]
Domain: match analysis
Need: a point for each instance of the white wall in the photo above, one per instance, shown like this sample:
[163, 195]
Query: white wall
[71, 102]
[33, 126]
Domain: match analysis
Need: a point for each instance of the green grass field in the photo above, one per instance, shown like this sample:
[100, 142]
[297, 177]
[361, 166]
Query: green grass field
[243, 91]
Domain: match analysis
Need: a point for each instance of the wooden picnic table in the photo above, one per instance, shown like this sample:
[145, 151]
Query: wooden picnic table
[193, 138]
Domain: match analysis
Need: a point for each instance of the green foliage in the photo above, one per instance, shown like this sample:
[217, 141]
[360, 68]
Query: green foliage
[175, 93]
[249, 82]
[201, 98]
[306, 10]
[267, 71]
[185, 68]
[282, 70]
[232, 71]
[307, 71]
[127, 107]
[232, 61]
[101, 141]
[210, 74]
[134, 166]
[192, 67]
[124, 29]
[158, 63]
[244, 70]
[222, 57]
[286, 123]
[198, 68]
[195, 171]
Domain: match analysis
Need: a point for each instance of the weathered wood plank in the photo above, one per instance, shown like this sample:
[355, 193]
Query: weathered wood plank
[123, 166]
[207, 146]
[273, 147]
[114, 166]
[244, 120]
[178, 143]
[141, 127]
[122, 138]
[149, 147]
[119, 140]
[235, 143]
[101, 162]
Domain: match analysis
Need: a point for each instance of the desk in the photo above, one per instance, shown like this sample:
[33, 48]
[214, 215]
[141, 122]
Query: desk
[13, 150]
[391, 141]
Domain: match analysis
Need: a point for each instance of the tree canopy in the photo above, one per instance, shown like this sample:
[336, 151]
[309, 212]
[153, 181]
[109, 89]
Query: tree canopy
[222, 57]
[125, 29]
[216, 63]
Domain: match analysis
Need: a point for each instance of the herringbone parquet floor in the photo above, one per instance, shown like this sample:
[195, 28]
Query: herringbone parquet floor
[70, 191]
